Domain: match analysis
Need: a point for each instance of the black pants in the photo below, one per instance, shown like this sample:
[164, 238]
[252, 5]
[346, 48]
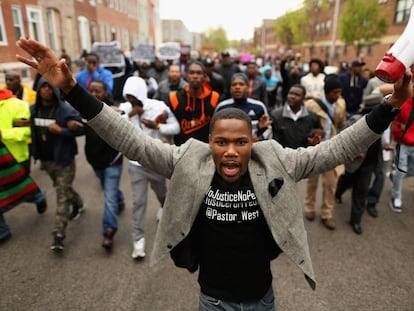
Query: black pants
[359, 181]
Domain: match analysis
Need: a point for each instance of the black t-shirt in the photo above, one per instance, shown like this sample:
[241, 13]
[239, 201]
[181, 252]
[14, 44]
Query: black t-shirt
[234, 242]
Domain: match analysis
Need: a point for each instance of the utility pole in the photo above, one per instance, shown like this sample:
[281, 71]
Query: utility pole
[334, 33]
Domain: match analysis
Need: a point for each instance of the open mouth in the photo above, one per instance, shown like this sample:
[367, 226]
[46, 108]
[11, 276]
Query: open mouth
[231, 169]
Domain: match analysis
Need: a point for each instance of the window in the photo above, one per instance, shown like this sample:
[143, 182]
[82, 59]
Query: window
[317, 28]
[328, 24]
[34, 20]
[3, 35]
[85, 35]
[402, 12]
[17, 22]
[51, 27]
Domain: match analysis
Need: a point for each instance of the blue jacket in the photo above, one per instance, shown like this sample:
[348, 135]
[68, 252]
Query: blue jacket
[101, 74]
[65, 147]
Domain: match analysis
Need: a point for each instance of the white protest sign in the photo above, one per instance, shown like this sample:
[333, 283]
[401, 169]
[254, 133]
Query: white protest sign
[169, 50]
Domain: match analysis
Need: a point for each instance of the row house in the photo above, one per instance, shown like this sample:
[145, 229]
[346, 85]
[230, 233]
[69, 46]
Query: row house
[327, 45]
[75, 25]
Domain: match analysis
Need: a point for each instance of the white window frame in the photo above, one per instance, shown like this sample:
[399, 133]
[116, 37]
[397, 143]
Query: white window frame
[19, 23]
[39, 33]
[84, 33]
[51, 26]
[3, 41]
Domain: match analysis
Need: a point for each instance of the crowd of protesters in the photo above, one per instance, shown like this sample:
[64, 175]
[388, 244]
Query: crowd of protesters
[287, 99]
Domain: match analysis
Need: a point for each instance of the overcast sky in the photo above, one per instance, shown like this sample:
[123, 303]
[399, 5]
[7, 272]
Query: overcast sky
[237, 17]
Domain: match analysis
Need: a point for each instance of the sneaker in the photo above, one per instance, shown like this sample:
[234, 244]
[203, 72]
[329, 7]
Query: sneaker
[76, 212]
[159, 214]
[57, 244]
[139, 249]
[395, 205]
[41, 207]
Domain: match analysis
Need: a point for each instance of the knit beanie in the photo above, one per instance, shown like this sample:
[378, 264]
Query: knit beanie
[331, 83]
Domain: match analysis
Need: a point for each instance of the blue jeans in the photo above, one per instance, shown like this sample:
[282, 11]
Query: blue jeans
[110, 178]
[267, 303]
[4, 228]
[406, 163]
[37, 198]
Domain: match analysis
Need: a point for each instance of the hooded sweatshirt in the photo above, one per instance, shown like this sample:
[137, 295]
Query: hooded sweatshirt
[47, 146]
[136, 86]
[272, 81]
[15, 138]
[193, 113]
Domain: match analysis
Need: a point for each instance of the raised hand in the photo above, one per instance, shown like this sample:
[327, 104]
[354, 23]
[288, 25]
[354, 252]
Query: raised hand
[47, 64]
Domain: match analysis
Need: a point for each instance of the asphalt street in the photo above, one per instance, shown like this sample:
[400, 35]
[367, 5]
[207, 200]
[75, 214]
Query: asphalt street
[373, 271]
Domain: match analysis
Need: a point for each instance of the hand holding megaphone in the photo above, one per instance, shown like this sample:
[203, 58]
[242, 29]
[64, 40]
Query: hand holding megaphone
[400, 56]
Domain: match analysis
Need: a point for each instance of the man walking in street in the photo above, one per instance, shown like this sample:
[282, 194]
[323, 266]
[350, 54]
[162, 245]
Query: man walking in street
[255, 109]
[54, 144]
[107, 166]
[237, 207]
[194, 105]
[331, 112]
[14, 140]
[146, 114]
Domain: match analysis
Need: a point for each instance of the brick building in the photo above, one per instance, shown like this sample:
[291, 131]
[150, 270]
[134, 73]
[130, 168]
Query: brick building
[74, 25]
[397, 16]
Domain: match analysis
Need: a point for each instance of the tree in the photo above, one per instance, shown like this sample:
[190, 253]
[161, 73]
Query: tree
[296, 27]
[217, 37]
[362, 23]
[309, 18]
[288, 28]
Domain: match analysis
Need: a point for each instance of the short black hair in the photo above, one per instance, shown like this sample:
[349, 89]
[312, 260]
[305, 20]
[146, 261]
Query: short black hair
[196, 62]
[101, 82]
[230, 113]
[93, 54]
[299, 86]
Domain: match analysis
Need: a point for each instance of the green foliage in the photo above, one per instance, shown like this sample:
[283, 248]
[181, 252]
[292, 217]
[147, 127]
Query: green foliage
[362, 23]
[310, 16]
[217, 37]
[296, 27]
[289, 27]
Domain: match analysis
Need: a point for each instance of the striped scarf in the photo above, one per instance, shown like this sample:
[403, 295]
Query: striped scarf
[16, 185]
